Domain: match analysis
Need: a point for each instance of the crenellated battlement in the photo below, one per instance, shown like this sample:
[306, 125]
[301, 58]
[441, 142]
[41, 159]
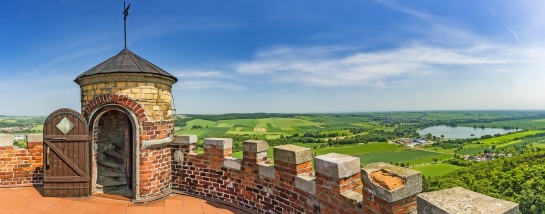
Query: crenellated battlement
[21, 167]
[337, 185]
[284, 184]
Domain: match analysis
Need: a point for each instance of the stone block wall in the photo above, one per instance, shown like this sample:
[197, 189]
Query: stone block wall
[152, 92]
[21, 167]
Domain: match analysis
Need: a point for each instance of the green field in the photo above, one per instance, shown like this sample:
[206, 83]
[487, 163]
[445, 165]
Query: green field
[436, 169]
[422, 159]
[524, 124]
[38, 128]
[277, 126]
[508, 137]
[410, 156]
[359, 149]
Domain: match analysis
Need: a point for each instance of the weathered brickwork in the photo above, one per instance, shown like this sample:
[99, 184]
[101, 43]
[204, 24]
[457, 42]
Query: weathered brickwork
[290, 188]
[155, 172]
[156, 130]
[21, 167]
[253, 183]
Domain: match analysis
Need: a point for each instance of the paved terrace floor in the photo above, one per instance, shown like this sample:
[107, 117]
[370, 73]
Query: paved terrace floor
[29, 200]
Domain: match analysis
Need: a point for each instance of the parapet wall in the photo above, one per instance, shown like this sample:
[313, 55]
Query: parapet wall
[337, 185]
[290, 185]
[21, 167]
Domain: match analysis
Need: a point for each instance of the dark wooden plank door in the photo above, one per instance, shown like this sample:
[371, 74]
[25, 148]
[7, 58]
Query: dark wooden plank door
[66, 155]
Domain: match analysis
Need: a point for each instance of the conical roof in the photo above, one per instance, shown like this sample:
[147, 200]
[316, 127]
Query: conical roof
[126, 62]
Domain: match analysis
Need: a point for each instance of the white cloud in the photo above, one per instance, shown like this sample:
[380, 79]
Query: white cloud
[333, 66]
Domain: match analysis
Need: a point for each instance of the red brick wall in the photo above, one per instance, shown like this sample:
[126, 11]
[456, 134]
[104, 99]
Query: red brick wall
[246, 187]
[21, 167]
[156, 130]
[155, 172]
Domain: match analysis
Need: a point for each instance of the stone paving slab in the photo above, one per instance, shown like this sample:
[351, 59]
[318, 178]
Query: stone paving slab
[28, 200]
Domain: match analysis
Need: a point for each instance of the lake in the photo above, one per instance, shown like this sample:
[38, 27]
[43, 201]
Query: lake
[461, 132]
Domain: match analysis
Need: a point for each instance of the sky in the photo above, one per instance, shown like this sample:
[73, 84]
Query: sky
[304, 56]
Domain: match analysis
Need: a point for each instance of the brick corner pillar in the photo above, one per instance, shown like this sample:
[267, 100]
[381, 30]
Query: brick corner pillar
[216, 150]
[35, 151]
[34, 141]
[390, 189]
[253, 152]
[338, 178]
[6, 142]
[181, 148]
[290, 161]
[460, 200]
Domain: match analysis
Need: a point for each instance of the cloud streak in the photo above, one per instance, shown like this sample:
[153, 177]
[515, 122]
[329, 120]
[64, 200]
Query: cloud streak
[333, 67]
[514, 33]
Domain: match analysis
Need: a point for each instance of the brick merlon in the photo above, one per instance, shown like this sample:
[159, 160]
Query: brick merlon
[185, 139]
[255, 146]
[292, 154]
[220, 143]
[336, 165]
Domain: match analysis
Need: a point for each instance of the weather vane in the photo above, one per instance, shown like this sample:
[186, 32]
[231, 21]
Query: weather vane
[126, 13]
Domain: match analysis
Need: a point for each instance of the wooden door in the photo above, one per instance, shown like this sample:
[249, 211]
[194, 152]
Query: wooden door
[66, 155]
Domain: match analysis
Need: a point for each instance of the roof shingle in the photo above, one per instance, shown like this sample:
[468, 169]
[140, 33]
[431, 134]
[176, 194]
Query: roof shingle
[126, 62]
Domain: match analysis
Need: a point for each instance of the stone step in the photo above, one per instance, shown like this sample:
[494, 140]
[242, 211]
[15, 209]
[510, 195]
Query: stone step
[110, 164]
[114, 154]
[117, 174]
[119, 145]
[103, 184]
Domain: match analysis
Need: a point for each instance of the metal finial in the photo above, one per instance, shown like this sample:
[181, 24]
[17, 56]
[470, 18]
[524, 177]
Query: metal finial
[125, 13]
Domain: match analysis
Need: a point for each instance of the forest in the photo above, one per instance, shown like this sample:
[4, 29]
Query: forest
[519, 179]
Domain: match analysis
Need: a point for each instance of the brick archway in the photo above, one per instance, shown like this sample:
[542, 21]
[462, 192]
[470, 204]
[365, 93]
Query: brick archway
[104, 99]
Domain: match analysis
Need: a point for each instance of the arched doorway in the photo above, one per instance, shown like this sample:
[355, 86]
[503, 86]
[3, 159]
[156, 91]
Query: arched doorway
[113, 152]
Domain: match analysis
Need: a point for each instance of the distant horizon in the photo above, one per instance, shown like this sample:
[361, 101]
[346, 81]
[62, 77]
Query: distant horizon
[284, 56]
[348, 112]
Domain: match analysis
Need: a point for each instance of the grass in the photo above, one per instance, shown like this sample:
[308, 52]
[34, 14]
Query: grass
[359, 149]
[241, 122]
[524, 124]
[400, 156]
[508, 137]
[437, 169]
[199, 122]
[37, 128]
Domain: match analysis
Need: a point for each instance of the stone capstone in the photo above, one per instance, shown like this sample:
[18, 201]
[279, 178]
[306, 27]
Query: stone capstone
[292, 154]
[34, 138]
[156, 142]
[185, 139]
[232, 163]
[412, 178]
[462, 201]
[255, 146]
[306, 183]
[6, 140]
[266, 170]
[353, 196]
[220, 143]
[336, 165]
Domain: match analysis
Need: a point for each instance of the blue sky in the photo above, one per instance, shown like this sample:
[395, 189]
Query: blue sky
[284, 56]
